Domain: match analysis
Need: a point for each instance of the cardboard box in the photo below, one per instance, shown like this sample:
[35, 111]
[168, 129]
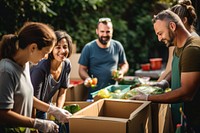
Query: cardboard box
[76, 92]
[74, 48]
[82, 104]
[74, 75]
[113, 116]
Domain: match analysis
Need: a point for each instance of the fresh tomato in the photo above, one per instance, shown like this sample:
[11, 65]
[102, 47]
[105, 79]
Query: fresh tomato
[94, 81]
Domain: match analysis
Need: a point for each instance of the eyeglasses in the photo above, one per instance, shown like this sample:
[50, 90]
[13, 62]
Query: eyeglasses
[104, 20]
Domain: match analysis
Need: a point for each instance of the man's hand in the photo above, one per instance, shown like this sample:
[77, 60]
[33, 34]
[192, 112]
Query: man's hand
[117, 75]
[87, 82]
[91, 82]
[162, 84]
[121, 76]
[142, 97]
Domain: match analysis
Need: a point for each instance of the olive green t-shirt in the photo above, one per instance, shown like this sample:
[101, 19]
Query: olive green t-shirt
[189, 55]
[190, 62]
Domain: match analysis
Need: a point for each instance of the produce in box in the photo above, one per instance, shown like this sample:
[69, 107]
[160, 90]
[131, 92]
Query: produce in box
[103, 93]
[115, 74]
[72, 108]
[93, 82]
[112, 91]
[144, 89]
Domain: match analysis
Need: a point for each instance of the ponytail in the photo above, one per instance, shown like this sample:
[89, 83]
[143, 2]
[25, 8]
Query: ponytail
[31, 32]
[8, 46]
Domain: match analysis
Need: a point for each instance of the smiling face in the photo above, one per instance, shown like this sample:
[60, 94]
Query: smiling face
[104, 32]
[165, 32]
[61, 50]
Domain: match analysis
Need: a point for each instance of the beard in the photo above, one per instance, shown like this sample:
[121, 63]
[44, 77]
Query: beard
[170, 42]
[104, 40]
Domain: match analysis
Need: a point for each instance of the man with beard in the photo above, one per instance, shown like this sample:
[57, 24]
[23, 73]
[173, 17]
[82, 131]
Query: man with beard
[186, 12]
[101, 56]
[170, 29]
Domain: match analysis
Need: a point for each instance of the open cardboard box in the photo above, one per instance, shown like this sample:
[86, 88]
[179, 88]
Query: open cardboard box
[82, 104]
[75, 92]
[75, 66]
[113, 116]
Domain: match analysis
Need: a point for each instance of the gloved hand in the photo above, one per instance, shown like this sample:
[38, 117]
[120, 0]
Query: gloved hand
[46, 126]
[162, 84]
[142, 97]
[61, 115]
[87, 82]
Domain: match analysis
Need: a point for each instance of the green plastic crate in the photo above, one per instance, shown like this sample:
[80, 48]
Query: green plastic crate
[113, 88]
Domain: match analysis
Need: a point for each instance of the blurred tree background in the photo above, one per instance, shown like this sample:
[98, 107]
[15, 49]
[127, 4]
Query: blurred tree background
[131, 20]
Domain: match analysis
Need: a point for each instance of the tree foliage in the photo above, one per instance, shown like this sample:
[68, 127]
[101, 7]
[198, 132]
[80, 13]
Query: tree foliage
[131, 20]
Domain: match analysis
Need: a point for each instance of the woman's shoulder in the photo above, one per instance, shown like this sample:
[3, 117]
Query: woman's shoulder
[43, 65]
[8, 65]
[67, 63]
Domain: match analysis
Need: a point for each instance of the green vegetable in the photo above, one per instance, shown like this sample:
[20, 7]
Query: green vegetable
[145, 89]
[134, 82]
[17, 130]
[158, 90]
[72, 108]
[130, 94]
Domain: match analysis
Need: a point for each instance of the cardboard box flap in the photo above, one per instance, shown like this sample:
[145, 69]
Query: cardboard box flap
[113, 116]
[100, 118]
[82, 104]
[141, 107]
[140, 119]
[95, 110]
[119, 108]
[113, 108]
[96, 126]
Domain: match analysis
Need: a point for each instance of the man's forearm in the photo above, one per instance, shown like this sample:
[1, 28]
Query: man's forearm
[124, 68]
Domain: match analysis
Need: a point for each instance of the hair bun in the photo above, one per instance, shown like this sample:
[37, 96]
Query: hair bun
[185, 2]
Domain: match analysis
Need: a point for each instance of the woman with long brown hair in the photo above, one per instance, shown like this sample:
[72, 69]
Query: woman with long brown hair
[31, 44]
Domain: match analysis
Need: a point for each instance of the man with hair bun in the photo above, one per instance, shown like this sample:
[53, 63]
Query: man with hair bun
[170, 29]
